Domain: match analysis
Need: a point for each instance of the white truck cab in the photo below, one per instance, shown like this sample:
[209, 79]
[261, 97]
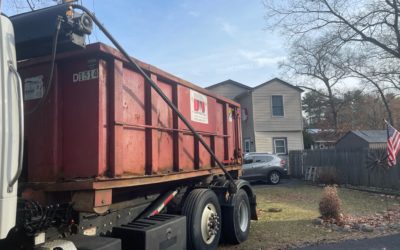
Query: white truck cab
[11, 127]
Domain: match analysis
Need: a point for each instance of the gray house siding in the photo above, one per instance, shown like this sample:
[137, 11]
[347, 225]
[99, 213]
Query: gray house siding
[261, 126]
[246, 103]
[264, 140]
[265, 121]
[228, 90]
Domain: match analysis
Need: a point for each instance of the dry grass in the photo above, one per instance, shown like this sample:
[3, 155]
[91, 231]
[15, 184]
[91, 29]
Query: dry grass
[294, 227]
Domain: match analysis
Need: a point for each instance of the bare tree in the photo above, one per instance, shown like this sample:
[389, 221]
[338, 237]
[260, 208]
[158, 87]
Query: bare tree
[374, 21]
[314, 61]
[366, 67]
[369, 28]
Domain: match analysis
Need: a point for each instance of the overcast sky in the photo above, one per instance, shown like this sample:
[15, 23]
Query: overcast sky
[204, 42]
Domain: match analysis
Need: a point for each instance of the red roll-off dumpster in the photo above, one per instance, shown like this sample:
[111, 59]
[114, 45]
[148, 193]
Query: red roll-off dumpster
[101, 120]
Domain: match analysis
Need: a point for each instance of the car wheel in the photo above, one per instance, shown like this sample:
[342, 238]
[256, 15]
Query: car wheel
[274, 177]
[202, 211]
[236, 219]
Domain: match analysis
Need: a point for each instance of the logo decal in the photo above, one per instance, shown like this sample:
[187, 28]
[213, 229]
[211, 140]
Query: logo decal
[198, 107]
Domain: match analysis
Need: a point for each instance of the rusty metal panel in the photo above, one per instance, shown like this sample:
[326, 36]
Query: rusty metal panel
[42, 124]
[98, 201]
[131, 181]
[81, 100]
[219, 147]
[133, 151]
[116, 139]
[186, 152]
[132, 105]
[101, 120]
[162, 140]
[219, 129]
[133, 110]
[204, 156]
[102, 125]
[230, 132]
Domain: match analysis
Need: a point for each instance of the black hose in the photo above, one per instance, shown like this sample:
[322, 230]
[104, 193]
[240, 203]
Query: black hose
[232, 188]
[51, 74]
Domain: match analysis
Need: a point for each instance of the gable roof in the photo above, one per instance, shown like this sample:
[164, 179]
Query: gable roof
[281, 81]
[250, 89]
[325, 135]
[229, 81]
[370, 136]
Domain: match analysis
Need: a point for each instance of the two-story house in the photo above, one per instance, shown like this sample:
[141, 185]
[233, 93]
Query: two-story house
[271, 114]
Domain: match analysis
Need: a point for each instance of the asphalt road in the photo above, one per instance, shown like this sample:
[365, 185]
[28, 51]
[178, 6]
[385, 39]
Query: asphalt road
[391, 242]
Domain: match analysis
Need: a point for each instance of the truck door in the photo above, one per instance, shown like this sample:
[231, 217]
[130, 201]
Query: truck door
[11, 128]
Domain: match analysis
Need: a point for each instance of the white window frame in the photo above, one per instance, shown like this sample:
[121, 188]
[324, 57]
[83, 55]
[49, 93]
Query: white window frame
[283, 106]
[284, 139]
[247, 141]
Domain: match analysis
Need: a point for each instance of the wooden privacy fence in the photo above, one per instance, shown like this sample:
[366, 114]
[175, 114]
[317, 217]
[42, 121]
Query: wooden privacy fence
[354, 167]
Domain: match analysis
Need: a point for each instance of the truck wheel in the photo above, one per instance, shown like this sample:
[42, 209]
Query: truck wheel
[236, 219]
[202, 211]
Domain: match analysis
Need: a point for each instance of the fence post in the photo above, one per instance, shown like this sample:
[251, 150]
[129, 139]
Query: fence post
[302, 162]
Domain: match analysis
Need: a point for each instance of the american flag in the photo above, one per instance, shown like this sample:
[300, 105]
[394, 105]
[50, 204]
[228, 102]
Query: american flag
[393, 144]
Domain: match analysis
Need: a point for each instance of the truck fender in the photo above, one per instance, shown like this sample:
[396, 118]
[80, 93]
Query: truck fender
[245, 185]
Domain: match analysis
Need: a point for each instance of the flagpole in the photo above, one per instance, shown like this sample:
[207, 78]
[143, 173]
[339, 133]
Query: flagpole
[387, 136]
[387, 129]
[387, 123]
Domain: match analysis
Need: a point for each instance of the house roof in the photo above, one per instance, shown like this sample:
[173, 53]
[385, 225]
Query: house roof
[281, 81]
[370, 136]
[324, 135]
[229, 81]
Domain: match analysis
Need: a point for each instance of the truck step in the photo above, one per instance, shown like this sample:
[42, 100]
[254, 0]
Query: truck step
[95, 243]
[81, 242]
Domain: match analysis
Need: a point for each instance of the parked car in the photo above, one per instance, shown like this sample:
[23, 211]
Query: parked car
[264, 166]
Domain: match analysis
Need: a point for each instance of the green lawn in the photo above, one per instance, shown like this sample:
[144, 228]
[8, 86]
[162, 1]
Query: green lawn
[294, 225]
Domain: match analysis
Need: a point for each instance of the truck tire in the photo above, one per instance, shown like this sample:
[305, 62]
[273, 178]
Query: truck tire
[236, 219]
[203, 218]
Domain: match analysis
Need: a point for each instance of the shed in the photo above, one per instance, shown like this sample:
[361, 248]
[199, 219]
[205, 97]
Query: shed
[362, 139]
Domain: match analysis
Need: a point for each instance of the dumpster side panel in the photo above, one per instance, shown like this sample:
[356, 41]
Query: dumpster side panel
[162, 141]
[43, 147]
[134, 138]
[102, 120]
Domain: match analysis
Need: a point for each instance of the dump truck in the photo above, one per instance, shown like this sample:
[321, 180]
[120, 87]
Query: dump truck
[102, 151]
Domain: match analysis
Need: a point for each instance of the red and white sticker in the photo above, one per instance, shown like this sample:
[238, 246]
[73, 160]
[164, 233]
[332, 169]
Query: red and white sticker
[198, 107]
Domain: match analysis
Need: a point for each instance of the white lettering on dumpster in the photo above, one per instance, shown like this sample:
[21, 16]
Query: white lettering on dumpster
[85, 75]
[198, 107]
